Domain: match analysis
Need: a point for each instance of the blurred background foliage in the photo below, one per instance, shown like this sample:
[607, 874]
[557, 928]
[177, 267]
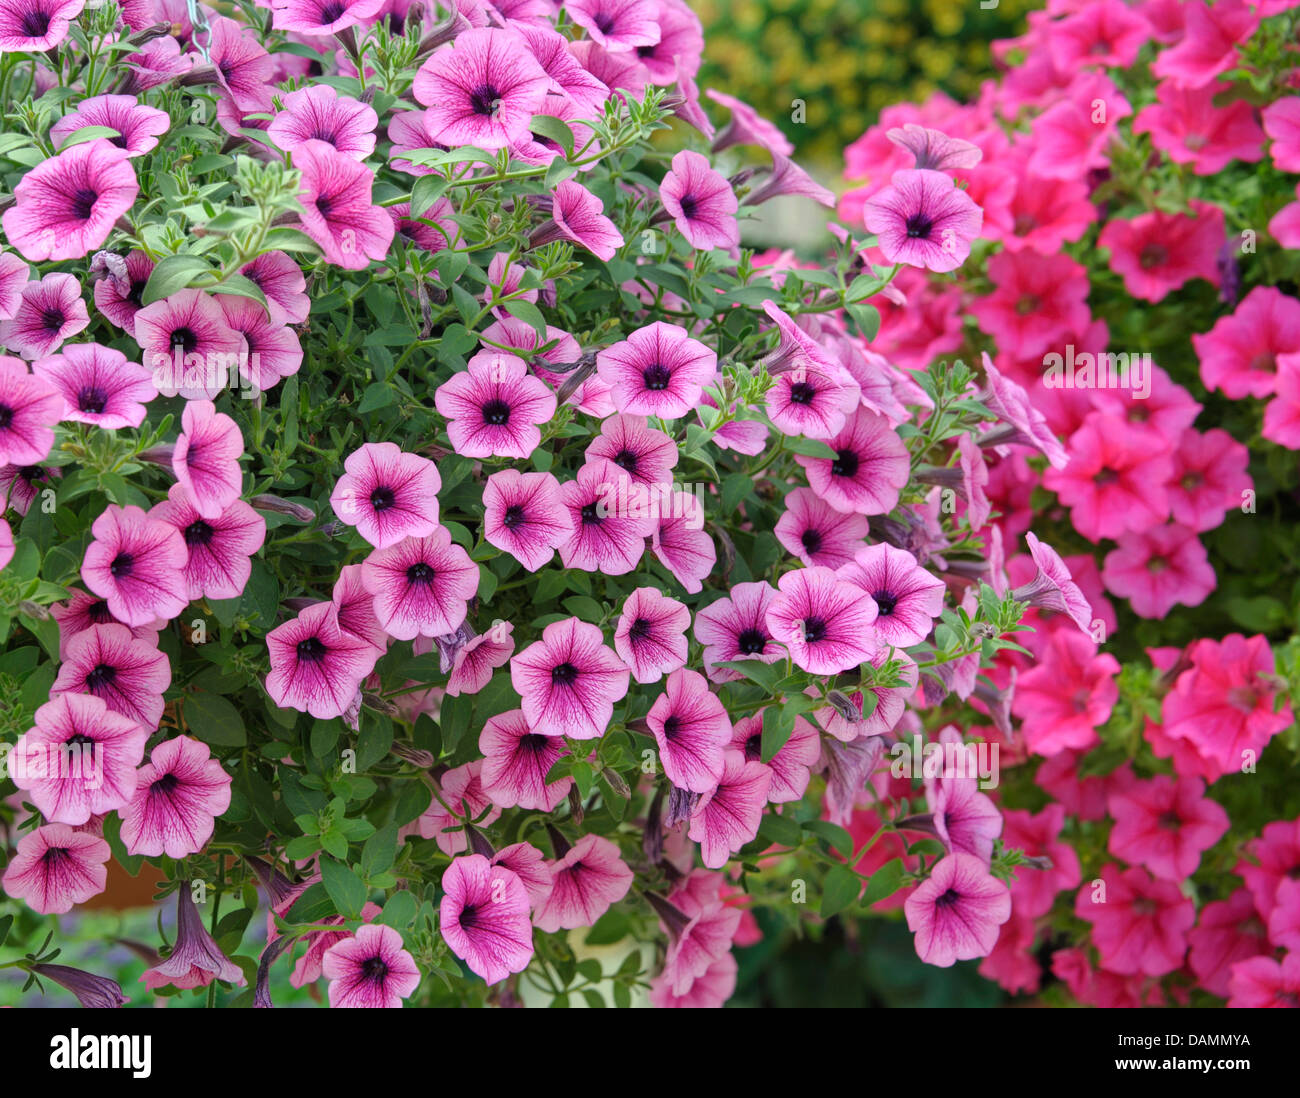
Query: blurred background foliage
[847, 59]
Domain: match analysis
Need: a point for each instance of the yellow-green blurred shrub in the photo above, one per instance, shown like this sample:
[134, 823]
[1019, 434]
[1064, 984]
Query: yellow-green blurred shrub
[846, 59]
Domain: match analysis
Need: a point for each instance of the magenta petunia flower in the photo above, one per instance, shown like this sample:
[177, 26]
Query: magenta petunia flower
[1158, 252]
[462, 798]
[791, 767]
[196, 959]
[907, 597]
[138, 126]
[48, 312]
[370, 969]
[588, 879]
[117, 296]
[1208, 45]
[66, 206]
[98, 385]
[925, 220]
[316, 667]
[494, 407]
[34, 26]
[869, 470]
[728, 816]
[516, 761]
[484, 917]
[578, 216]
[1240, 354]
[680, 542]
[1068, 694]
[651, 634]
[1185, 123]
[551, 50]
[1022, 423]
[569, 681]
[244, 69]
[355, 607]
[179, 794]
[1139, 924]
[735, 628]
[483, 90]
[322, 17]
[189, 345]
[473, 664]
[619, 26]
[690, 725]
[1165, 825]
[659, 370]
[19, 485]
[14, 275]
[530, 866]
[965, 820]
[422, 586]
[127, 672]
[748, 127]
[816, 533]
[29, 408]
[387, 494]
[701, 202]
[79, 759]
[135, 562]
[81, 611]
[523, 515]
[220, 548]
[956, 912]
[319, 113]
[645, 454]
[57, 867]
[336, 206]
[206, 458]
[1159, 568]
[282, 281]
[824, 621]
[610, 518]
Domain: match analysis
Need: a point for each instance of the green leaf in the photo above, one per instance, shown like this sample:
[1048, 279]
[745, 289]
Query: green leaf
[884, 882]
[214, 720]
[87, 133]
[5, 924]
[809, 447]
[241, 286]
[171, 274]
[765, 674]
[611, 927]
[378, 395]
[324, 735]
[546, 125]
[839, 890]
[836, 836]
[780, 829]
[346, 890]
[380, 851]
[399, 912]
[778, 727]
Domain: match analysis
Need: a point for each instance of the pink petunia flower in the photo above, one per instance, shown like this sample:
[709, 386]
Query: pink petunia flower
[1139, 924]
[483, 91]
[336, 209]
[138, 126]
[321, 17]
[1185, 123]
[791, 767]
[179, 794]
[34, 26]
[956, 911]
[1037, 301]
[1159, 568]
[370, 969]
[869, 470]
[1053, 587]
[619, 26]
[66, 206]
[516, 761]
[1165, 825]
[747, 127]
[1227, 932]
[1239, 355]
[578, 216]
[1107, 33]
[1067, 695]
[98, 385]
[484, 917]
[56, 868]
[524, 515]
[273, 350]
[462, 798]
[220, 548]
[48, 312]
[1208, 46]
[657, 371]
[316, 667]
[587, 879]
[135, 562]
[680, 542]
[650, 636]
[206, 458]
[924, 220]
[282, 281]
[319, 113]
[816, 533]
[473, 665]
[701, 202]
[908, 598]
[728, 816]
[1038, 835]
[387, 494]
[1282, 415]
[127, 672]
[1264, 982]
[823, 620]
[189, 344]
[647, 455]
[494, 407]
[422, 586]
[1282, 124]
[735, 628]
[690, 726]
[1157, 252]
[29, 408]
[569, 681]
[79, 759]
[610, 517]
